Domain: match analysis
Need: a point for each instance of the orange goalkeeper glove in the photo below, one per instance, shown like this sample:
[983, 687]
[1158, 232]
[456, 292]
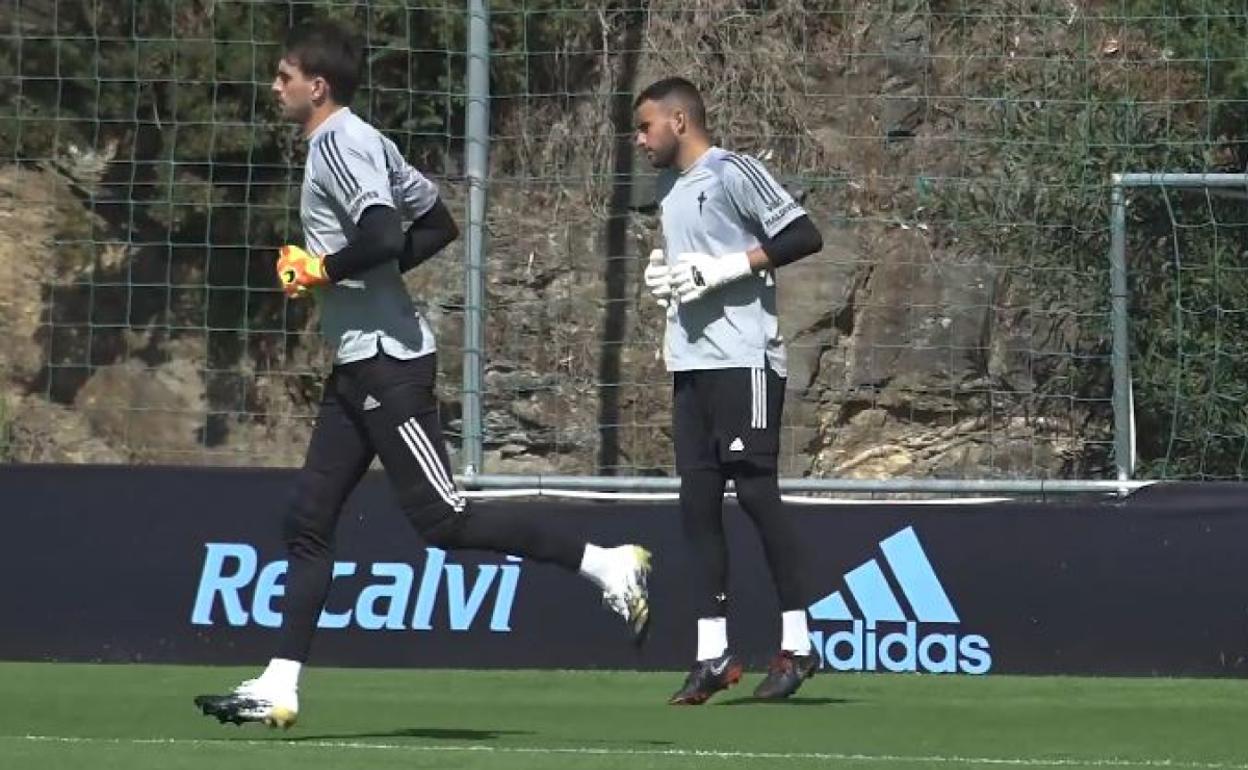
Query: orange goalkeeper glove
[299, 271]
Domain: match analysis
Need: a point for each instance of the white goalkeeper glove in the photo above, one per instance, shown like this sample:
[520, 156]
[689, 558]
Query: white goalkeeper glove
[658, 278]
[696, 274]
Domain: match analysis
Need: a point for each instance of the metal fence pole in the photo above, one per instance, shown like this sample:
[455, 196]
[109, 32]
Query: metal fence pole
[1124, 446]
[477, 141]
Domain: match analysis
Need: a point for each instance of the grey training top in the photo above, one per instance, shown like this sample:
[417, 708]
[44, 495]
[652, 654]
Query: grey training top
[350, 167]
[724, 203]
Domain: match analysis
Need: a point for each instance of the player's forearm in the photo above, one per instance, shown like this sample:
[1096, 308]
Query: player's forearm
[379, 239]
[800, 239]
[427, 236]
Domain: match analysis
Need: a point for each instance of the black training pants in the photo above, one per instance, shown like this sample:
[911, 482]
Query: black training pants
[385, 407]
[727, 426]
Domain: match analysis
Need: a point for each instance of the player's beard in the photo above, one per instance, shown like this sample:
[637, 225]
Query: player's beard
[296, 113]
[664, 157]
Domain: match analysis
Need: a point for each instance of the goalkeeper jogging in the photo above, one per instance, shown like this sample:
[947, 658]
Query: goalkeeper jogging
[727, 226]
[379, 397]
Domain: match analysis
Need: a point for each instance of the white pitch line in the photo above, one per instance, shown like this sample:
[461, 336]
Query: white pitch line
[1110, 762]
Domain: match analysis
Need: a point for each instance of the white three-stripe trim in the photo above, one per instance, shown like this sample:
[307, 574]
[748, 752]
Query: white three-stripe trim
[758, 388]
[422, 449]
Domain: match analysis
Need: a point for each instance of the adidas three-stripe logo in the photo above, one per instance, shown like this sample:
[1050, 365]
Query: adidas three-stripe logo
[754, 174]
[875, 598]
[868, 645]
[427, 457]
[337, 165]
[758, 399]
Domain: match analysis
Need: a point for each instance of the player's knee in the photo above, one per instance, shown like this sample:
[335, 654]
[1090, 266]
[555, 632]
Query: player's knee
[701, 481]
[702, 490]
[757, 491]
[447, 532]
[438, 520]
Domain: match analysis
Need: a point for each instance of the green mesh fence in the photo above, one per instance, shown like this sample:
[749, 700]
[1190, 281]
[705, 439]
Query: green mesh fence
[956, 156]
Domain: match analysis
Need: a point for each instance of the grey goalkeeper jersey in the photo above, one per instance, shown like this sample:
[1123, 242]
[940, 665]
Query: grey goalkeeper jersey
[351, 167]
[722, 204]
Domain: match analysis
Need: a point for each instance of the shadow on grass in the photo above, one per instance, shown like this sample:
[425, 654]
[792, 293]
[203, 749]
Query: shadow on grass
[752, 701]
[466, 735]
[427, 733]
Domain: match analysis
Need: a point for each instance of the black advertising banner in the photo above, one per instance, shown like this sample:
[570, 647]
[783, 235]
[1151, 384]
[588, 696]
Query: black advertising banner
[186, 565]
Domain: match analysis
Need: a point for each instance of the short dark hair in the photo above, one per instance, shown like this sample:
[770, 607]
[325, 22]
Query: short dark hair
[329, 50]
[679, 89]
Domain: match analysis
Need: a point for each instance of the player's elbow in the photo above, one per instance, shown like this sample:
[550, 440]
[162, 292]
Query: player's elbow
[440, 219]
[435, 230]
[807, 239]
[450, 232]
[815, 244]
[797, 241]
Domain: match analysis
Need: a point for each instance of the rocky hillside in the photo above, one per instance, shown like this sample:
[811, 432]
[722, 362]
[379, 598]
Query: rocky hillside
[953, 326]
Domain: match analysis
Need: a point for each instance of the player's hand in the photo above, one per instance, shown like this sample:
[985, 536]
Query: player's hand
[658, 278]
[298, 271]
[697, 274]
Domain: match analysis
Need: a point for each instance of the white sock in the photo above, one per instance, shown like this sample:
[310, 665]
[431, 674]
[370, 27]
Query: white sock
[598, 565]
[795, 636]
[284, 673]
[712, 638]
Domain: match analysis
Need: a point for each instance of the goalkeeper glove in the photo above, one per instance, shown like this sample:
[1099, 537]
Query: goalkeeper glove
[658, 278]
[696, 274]
[299, 271]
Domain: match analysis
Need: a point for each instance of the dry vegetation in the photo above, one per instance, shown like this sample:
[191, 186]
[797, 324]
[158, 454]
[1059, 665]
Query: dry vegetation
[953, 325]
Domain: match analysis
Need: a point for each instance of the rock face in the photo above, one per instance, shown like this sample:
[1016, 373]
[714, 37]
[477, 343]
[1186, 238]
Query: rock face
[911, 354]
[158, 415]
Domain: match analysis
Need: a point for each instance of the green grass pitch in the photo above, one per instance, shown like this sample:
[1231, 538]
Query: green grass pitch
[140, 717]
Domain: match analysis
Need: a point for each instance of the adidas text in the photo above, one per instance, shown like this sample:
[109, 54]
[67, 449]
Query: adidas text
[898, 647]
